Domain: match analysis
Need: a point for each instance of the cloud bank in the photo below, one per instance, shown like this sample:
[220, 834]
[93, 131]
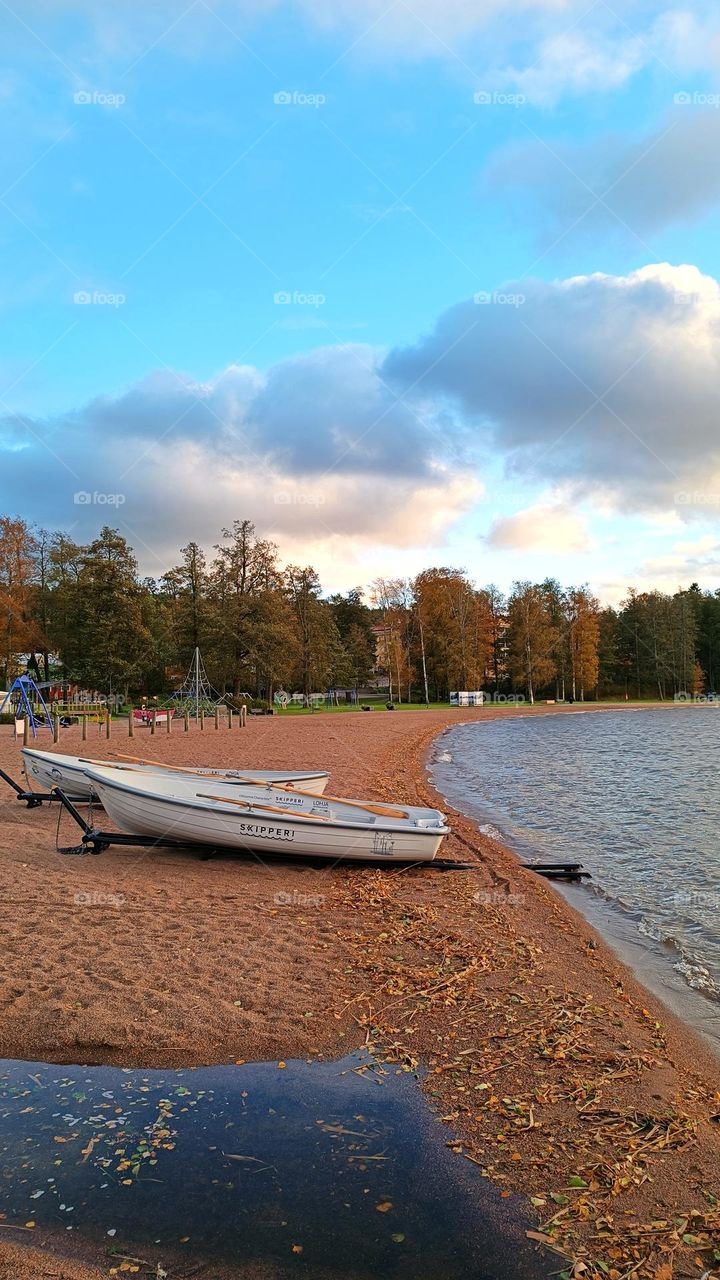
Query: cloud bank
[599, 388]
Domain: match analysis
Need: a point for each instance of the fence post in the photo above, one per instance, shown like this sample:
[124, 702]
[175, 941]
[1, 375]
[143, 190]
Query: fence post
[26, 731]
[83, 720]
[202, 718]
[108, 722]
[153, 715]
[229, 711]
[186, 726]
[56, 728]
[168, 723]
[243, 716]
[217, 717]
[131, 724]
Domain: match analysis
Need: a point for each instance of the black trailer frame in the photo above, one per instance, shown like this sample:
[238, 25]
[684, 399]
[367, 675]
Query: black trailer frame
[96, 841]
[34, 799]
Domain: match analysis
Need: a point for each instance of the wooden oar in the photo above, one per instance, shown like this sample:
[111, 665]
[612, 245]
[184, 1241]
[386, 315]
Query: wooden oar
[384, 811]
[201, 773]
[272, 808]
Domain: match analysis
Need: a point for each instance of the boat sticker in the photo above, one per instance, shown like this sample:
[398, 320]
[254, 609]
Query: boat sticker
[260, 831]
[382, 843]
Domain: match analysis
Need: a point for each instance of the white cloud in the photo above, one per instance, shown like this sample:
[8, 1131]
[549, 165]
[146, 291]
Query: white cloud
[318, 451]
[600, 383]
[540, 528]
[549, 47]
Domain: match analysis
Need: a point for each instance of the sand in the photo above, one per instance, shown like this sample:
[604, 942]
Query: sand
[546, 1060]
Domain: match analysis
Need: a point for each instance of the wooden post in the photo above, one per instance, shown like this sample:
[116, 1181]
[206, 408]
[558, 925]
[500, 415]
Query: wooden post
[243, 716]
[229, 711]
[108, 722]
[186, 725]
[153, 716]
[131, 724]
[56, 728]
[202, 718]
[168, 722]
[217, 717]
[83, 722]
[26, 731]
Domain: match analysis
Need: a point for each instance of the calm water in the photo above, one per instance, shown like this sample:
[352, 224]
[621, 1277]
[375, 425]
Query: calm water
[634, 796]
[312, 1170]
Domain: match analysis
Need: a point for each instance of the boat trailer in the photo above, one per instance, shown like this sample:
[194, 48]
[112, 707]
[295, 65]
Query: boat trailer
[96, 841]
[34, 799]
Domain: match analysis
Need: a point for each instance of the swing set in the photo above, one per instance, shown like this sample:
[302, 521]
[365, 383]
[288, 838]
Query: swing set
[27, 702]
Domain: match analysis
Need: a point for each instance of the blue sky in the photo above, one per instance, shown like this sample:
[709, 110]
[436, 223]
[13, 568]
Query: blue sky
[354, 315]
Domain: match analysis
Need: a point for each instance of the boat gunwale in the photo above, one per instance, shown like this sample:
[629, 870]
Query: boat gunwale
[173, 801]
[219, 775]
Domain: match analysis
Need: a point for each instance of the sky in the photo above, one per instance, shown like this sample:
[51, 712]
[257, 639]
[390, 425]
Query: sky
[405, 282]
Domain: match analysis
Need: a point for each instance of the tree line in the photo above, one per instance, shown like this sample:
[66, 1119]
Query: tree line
[84, 614]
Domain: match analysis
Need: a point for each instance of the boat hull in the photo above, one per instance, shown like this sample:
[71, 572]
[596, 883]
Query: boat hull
[216, 824]
[49, 769]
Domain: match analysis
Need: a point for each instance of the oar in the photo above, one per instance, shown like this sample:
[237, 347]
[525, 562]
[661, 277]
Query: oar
[272, 808]
[237, 777]
[384, 810]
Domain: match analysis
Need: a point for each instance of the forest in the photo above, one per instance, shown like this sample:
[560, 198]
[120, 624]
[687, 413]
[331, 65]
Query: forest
[83, 614]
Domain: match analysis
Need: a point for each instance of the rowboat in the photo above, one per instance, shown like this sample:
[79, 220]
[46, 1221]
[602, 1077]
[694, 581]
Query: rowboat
[51, 769]
[271, 819]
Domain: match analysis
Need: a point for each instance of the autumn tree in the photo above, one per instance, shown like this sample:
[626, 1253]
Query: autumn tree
[532, 638]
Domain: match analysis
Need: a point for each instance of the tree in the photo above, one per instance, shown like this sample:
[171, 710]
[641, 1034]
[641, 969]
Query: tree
[20, 630]
[582, 612]
[532, 638]
[116, 641]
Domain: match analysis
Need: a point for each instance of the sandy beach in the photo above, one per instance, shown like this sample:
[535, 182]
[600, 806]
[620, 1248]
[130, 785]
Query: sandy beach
[557, 1073]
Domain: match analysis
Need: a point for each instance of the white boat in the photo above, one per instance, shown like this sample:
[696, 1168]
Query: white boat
[51, 769]
[270, 819]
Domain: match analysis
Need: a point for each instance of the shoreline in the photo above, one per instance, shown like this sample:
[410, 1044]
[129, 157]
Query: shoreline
[651, 960]
[544, 1055]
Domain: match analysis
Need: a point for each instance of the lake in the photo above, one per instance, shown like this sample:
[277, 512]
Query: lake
[633, 796]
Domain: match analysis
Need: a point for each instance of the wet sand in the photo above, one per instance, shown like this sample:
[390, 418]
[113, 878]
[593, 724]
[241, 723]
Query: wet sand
[543, 1054]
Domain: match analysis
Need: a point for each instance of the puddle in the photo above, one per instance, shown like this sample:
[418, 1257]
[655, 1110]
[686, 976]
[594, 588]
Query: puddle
[323, 1169]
